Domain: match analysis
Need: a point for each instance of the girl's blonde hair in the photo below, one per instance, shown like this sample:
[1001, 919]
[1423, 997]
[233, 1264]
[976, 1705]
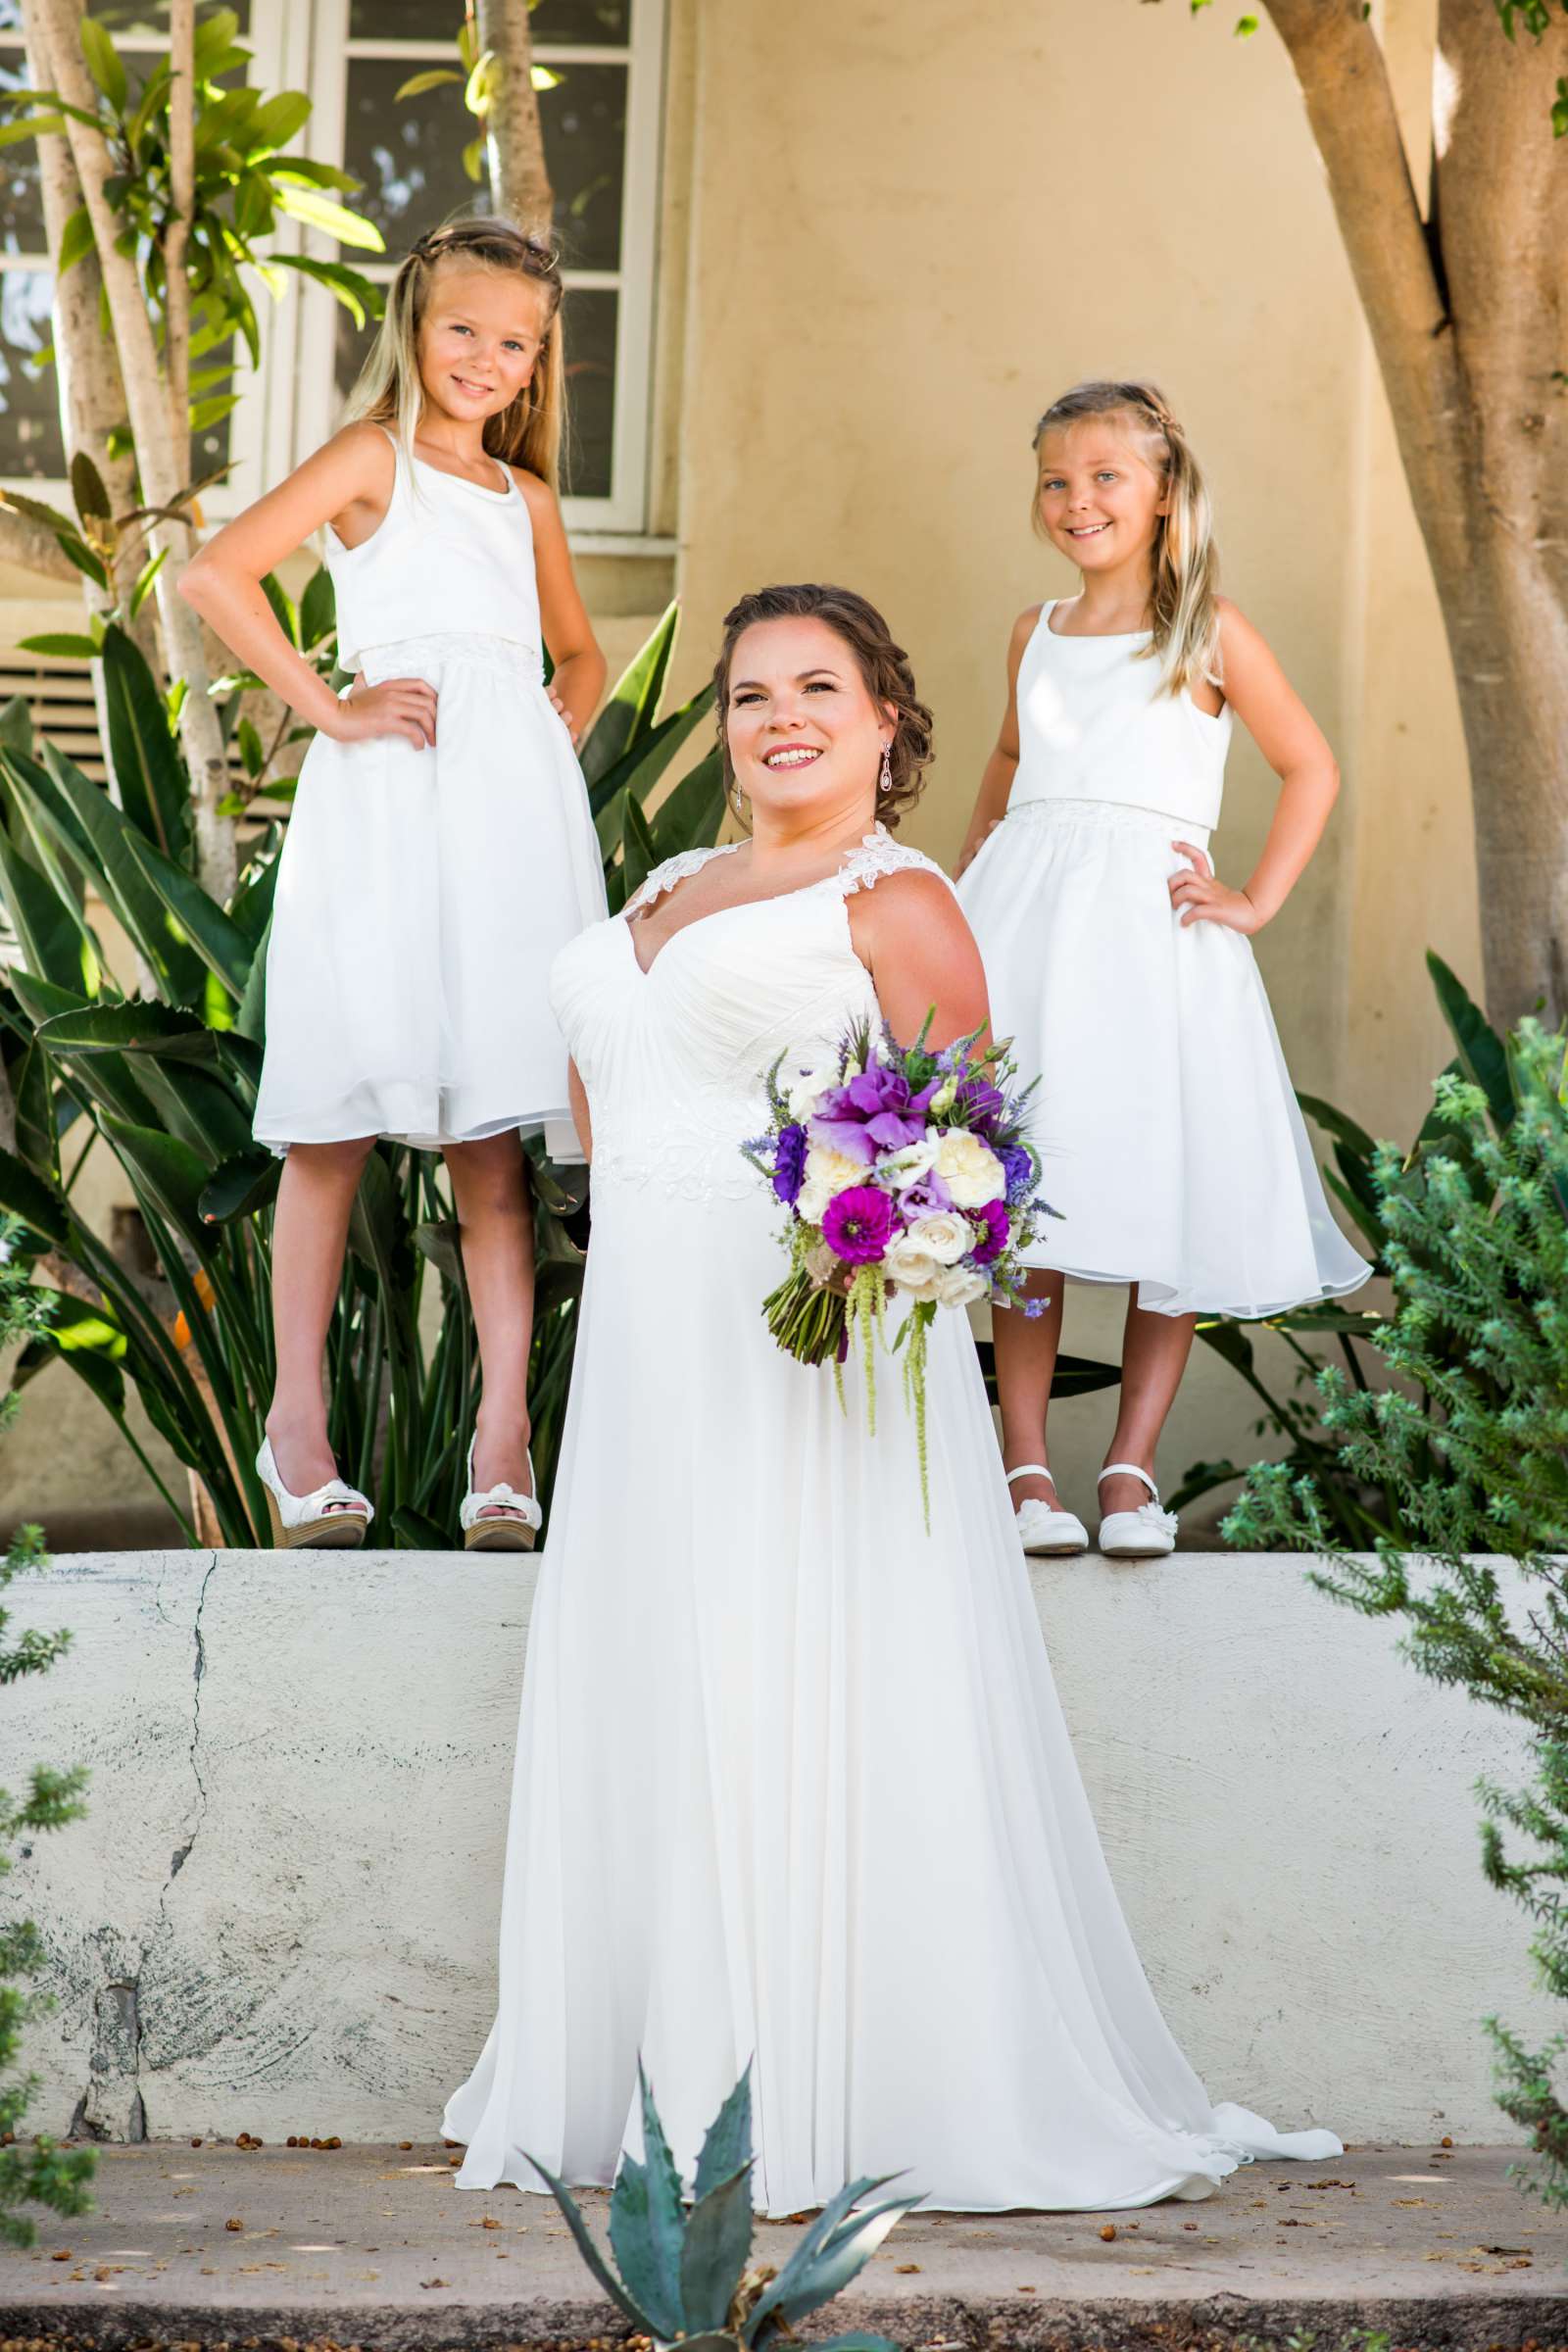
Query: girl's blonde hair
[529, 430]
[1183, 597]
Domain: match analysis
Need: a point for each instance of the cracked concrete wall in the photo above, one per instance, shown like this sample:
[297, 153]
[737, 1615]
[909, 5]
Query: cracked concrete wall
[280, 1913]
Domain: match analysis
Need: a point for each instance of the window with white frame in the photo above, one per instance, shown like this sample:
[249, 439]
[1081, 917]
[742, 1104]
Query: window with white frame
[601, 72]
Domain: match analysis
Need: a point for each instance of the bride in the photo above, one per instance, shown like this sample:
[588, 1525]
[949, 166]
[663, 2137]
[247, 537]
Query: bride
[792, 1780]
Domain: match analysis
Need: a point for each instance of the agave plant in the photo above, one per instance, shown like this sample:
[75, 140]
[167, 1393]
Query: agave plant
[167, 1082]
[685, 2277]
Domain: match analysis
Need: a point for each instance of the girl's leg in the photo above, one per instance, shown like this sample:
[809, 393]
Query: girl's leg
[1026, 1359]
[495, 1218]
[310, 1233]
[1153, 1357]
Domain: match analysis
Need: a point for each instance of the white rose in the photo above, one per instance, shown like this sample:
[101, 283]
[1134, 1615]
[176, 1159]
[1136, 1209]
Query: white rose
[804, 1077]
[909, 1165]
[944, 1236]
[915, 1271]
[960, 1286]
[826, 1172]
[969, 1169]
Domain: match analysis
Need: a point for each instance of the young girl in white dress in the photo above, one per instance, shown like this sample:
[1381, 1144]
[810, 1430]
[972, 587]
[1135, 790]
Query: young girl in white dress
[1121, 965]
[441, 848]
[855, 1852]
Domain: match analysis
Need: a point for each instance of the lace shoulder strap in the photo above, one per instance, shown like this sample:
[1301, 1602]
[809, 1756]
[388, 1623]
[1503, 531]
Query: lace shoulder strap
[878, 854]
[674, 869]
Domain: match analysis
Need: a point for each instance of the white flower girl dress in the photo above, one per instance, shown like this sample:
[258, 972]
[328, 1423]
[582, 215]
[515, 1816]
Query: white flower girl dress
[792, 1779]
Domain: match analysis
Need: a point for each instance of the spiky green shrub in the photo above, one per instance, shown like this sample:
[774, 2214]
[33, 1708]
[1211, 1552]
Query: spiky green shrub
[1469, 1438]
[35, 2172]
[167, 1084]
[686, 2278]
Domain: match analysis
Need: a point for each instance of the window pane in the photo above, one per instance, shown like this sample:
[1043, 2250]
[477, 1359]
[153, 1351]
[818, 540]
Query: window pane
[591, 322]
[148, 20]
[20, 208]
[602, 23]
[30, 421]
[351, 349]
[409, 157]
[584, 119]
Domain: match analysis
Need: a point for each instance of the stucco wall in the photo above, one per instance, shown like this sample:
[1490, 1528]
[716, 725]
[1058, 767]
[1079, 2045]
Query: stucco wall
[280, 1912]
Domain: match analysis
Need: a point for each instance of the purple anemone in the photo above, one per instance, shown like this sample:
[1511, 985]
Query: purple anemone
[857, 1224]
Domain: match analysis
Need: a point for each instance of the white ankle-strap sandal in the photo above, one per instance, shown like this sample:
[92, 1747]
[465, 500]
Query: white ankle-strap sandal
[335, 1516]
[1145, 1534]
[513, 1530]
[1043, 1530]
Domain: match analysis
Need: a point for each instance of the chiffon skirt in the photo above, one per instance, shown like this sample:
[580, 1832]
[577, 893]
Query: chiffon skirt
[792, 1786]
[422, 896]
[1166, 1123]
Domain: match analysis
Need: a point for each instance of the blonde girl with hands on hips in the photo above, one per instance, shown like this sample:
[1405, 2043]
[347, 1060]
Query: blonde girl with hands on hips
[1121, 963]
[440, 850]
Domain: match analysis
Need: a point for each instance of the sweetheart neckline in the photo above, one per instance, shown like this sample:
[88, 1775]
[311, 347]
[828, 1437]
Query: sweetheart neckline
[772, 898]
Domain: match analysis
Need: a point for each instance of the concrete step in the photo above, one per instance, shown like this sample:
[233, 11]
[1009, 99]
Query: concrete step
[376, 2247]
[280, 1913]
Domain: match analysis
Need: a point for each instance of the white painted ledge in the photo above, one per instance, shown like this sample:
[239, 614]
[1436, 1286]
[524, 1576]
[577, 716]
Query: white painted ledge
[280, 1913]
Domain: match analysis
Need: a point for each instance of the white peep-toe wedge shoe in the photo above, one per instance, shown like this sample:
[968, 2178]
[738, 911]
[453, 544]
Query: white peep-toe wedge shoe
[515, 1531]
[1145, 1534]
[335, 1516]
[1044, 1529]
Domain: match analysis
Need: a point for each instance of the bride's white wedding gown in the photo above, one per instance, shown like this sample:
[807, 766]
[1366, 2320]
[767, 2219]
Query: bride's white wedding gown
[792, 1779]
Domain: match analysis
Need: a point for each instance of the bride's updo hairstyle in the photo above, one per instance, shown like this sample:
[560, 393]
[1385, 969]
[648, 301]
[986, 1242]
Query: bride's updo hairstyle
[883, 664]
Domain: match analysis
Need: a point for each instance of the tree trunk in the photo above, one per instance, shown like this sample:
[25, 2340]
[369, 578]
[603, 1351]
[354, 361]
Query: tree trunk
[31, 545]
[519, 179]
[161, 461]
[1464, 312]
[182, 190]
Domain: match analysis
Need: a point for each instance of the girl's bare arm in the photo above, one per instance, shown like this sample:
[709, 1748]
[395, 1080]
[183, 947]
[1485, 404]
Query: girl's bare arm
[579, 665]
[996, 781]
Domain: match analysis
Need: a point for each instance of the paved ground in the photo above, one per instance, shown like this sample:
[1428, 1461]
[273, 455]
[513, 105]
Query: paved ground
[1383, 2249]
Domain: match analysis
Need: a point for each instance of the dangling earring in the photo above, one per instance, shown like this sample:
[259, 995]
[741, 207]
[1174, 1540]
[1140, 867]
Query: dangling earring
[737, 796]
[885, 780]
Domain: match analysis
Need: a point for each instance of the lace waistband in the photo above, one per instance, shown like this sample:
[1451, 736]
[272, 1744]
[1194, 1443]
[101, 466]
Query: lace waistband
[418, 657]
[1117, 816]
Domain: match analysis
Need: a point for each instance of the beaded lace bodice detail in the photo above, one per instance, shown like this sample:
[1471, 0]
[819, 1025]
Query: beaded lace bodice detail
[674, 1060]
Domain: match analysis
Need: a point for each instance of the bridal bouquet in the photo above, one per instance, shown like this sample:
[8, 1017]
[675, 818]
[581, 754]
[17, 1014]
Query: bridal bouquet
[902, 1170]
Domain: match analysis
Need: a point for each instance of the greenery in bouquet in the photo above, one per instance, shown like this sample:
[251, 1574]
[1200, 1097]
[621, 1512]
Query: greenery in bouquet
[904, 1170]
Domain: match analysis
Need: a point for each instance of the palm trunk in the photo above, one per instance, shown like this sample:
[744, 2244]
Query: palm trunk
[519, 179]
[1464, 312]
[161, 460]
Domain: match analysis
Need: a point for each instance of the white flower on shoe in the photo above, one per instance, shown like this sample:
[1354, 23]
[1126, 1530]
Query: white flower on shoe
[947, 1236]
[826, 1172]
[969, 1169]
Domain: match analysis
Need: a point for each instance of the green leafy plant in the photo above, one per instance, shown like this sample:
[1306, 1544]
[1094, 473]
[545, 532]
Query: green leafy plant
[1360, 1510]
[1468, 1437]
[685, 2277]
[478, 80]
[37, 2172]
[167, 1084]
[243, 181]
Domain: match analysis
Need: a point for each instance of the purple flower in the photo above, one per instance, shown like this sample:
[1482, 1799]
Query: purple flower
[1019, 1168]
[857, 1224]
[788, 1163]
[927, 1198]
[874, 1112]
[981, 1105]
[991, 1232]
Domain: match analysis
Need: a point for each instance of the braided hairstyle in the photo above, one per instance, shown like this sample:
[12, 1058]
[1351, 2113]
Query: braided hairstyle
[528, 432]
[1183, 595]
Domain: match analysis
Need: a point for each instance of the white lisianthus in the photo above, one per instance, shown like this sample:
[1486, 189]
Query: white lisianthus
[826, 1172]
[804, 1077]
[944, 1236]
[906, 1166]
[942, 1100]
[915, 1271]
[969, 1169]
[960, 1286]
